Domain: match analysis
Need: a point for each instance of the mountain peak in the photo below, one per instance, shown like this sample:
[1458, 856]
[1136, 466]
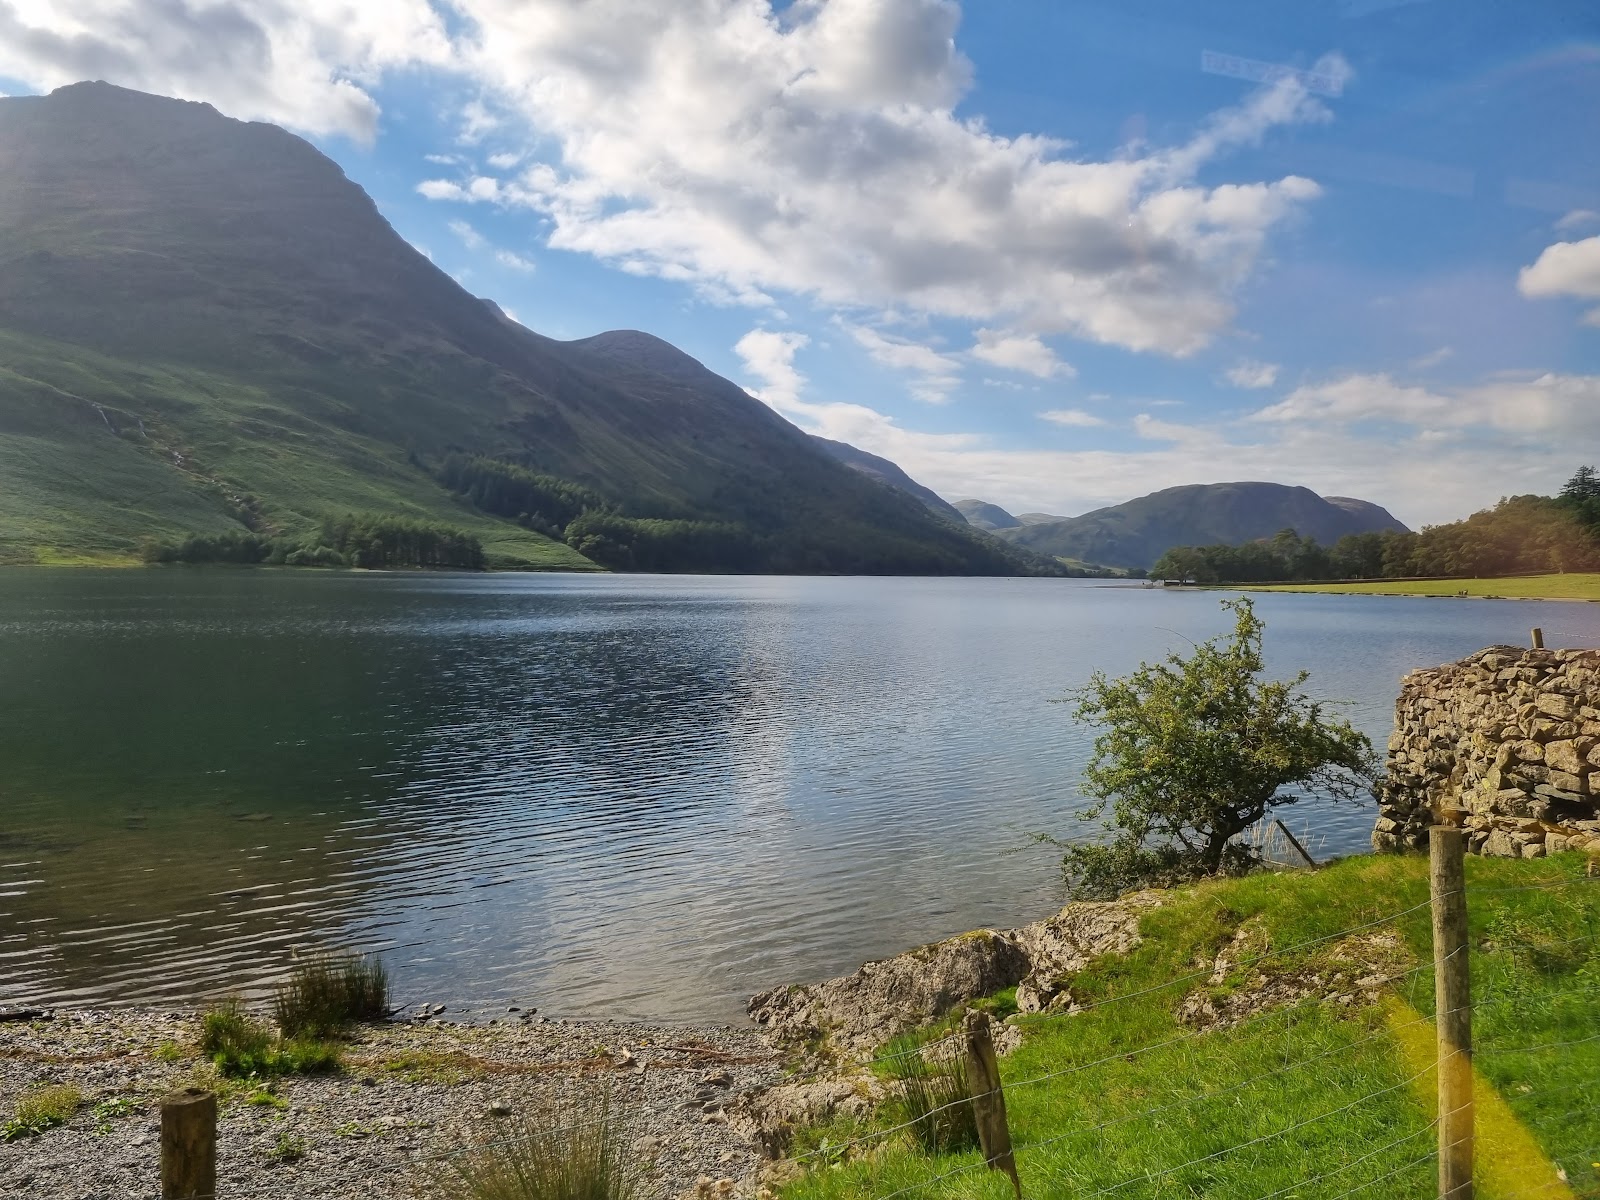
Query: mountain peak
[634, 347]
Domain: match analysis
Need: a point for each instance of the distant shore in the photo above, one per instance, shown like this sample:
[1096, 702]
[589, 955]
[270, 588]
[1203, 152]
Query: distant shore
[1577, 587]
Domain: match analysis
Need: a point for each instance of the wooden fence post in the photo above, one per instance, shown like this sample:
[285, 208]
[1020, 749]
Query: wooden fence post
[1452, 1008]
[988, 1100]
[1538, 638]
[189, 1145]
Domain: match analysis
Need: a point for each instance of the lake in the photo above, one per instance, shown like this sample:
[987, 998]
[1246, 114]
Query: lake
[616, 796]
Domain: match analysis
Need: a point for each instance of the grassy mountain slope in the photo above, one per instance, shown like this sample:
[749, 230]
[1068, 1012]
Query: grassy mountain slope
[891, 475]
[1137, 533]
[204, 325]
[980, 514]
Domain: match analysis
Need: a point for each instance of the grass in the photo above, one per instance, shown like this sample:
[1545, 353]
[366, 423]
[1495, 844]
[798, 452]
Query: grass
[1310, 1099]
[41, 1109]
[1525, 587]
[566, 1152]
[241, 1047]
[326, 993]
[933, 1099]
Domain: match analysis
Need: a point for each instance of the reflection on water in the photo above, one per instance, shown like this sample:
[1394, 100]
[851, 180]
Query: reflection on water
[624, 796]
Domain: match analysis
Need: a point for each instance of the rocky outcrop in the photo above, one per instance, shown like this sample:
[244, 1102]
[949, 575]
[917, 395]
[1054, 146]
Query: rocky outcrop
[1511, 736]
[858, 1012]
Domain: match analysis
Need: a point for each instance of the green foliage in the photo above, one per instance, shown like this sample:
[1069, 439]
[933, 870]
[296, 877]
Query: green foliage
[934, 1099]
[42, 1109]
[107, 1111]
[1519, 535]
[327, 992]
[287, 1149]
[1309, 1100]
[565, 1152]
[241, 1047]
[1195, 751]
[540, 502]
[650, 544]
[374, 540]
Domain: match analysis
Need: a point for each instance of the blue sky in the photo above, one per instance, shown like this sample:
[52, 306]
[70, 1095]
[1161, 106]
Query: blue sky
[1049, 254]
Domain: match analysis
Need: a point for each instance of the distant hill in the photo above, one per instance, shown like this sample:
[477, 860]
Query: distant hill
[980, 514]
[1040, 518]
[1136, 534]
[206, 328]
[886, 472]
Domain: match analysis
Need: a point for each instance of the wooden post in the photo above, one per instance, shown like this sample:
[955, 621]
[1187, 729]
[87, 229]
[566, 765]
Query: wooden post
[1295, 842]
[1452, 1008]
[188, 1145]
[1538, 638]
[988, 1100]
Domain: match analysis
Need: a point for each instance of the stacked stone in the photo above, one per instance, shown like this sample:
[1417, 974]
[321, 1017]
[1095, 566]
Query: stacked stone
[1511, 736]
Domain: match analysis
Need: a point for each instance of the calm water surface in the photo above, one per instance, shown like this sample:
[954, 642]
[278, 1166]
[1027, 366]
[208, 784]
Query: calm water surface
[622, 796]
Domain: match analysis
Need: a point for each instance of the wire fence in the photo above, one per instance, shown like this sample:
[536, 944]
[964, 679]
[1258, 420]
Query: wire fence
[1376, 1083]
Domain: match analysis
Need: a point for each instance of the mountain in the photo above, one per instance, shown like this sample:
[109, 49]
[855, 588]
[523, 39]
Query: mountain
[1137, 533]
[888, 473]
[980, 514]
[205, 327]
[1040, 518]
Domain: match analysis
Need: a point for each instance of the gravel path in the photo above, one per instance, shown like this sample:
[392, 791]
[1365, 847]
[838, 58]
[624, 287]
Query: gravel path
[410, 1094]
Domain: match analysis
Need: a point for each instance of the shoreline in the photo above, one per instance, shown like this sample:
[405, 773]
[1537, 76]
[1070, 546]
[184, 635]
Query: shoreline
[410, 1094]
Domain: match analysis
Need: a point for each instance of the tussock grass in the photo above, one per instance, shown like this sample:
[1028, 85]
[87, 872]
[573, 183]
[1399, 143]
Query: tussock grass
[240, 1047]
[330, 991]
[933, 1099]
[1314, 1099]
[565, 1152]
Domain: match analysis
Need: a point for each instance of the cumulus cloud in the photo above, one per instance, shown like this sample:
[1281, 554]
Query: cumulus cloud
[1565, 269]
[309, 66]
[1073, 418]
[816, 151]
[510, 258]
[1019, 352]
[1251, 374]
[769, 356]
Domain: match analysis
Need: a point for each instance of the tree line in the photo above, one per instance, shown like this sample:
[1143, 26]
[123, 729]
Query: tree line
[1519, 535]
[371, 540]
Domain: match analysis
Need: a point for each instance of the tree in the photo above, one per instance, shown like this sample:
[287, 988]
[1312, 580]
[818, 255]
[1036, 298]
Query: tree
[1194, 752]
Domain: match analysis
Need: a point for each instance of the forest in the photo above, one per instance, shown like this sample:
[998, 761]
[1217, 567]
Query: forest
[370, 540]
[1521, 535]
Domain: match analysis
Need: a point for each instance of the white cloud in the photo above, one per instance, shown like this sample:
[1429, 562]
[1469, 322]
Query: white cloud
[1019, 352]
[1073, 417]
[470, 237]
[937, 372]
[509, 258]
[1433, 358]
[1251, 374]
[504, 162]
[1566, 269]
[769, 356]
[1545, 406]
[308, 66]
[816, 152]
[1578, 218]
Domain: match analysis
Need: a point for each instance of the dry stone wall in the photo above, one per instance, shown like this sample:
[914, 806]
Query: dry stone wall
[1511, 736]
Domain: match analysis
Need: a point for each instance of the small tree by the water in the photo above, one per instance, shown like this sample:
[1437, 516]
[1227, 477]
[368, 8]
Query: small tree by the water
[1194, 751]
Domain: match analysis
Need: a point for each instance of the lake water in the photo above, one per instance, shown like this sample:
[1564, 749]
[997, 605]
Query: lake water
[623, 796]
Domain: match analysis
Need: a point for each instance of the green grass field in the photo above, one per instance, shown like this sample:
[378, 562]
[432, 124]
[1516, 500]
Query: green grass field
[1309, 1099]
[1528, 587]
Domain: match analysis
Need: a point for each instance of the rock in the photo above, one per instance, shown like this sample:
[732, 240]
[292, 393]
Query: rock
[1556, 705]
[1533, 850]
[1555, 843]
[1565, 756]
[883, 999]
[499, 1109]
